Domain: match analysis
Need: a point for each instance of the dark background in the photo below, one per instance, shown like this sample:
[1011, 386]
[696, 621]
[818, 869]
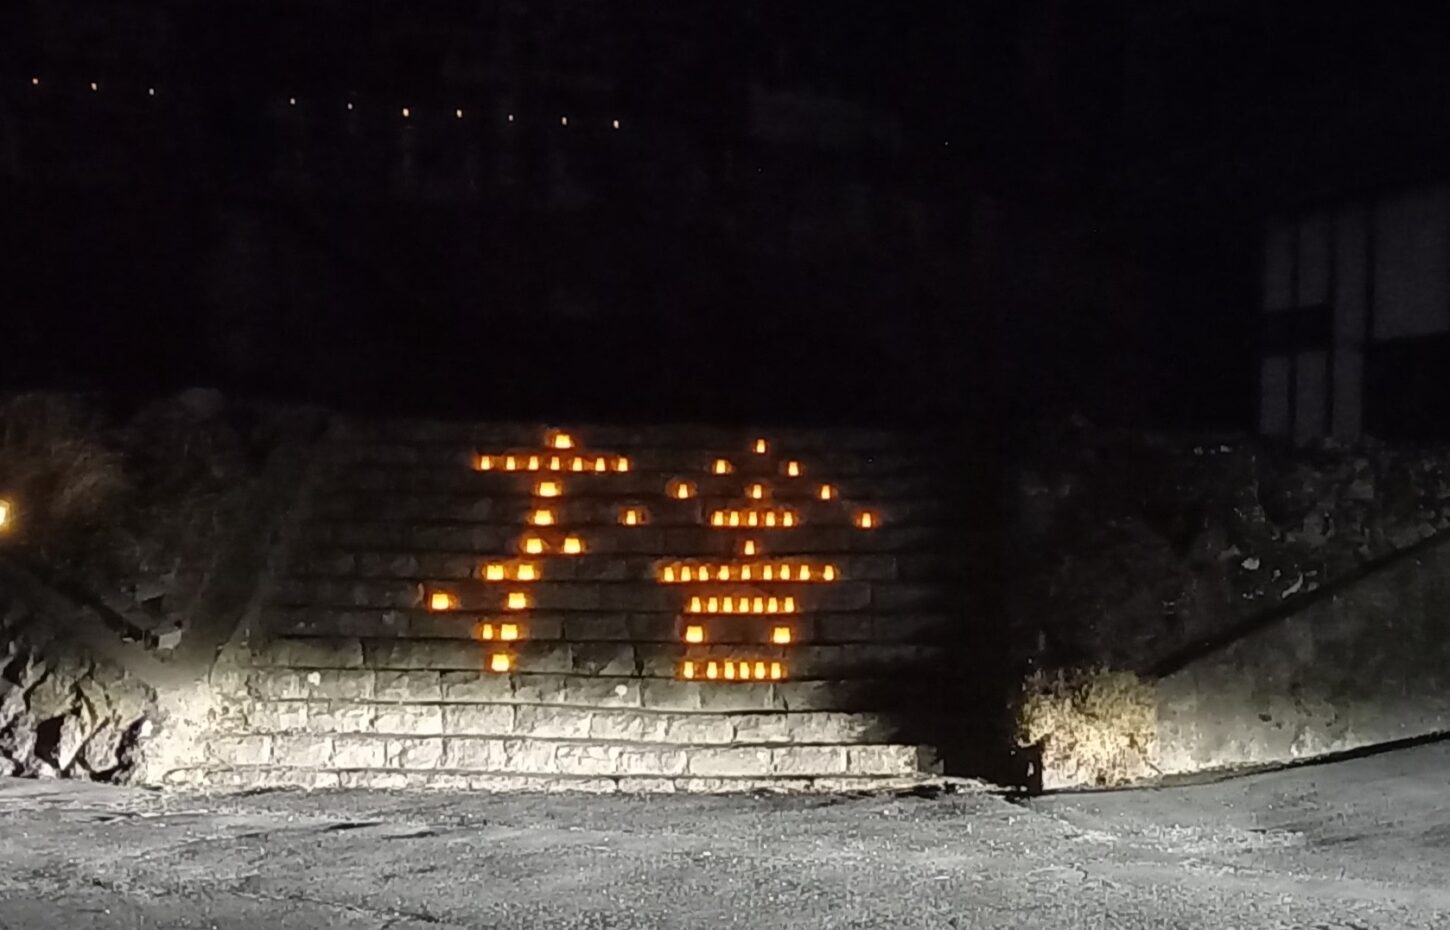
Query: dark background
[982, 213]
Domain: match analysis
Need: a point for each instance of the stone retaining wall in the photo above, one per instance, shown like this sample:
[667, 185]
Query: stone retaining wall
[381, 659]
[1367, 666]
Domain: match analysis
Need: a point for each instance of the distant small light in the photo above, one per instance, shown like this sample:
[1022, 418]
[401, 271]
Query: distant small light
[35, 82]
[407, 112]
[458, 114]
[511, 117]
[95, 86]
[291, 101]
[616, 124]
[4, 514]
[151, 92]
[563, 121]
[349, 104]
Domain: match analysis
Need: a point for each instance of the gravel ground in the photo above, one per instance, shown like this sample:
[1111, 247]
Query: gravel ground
[1357, 845]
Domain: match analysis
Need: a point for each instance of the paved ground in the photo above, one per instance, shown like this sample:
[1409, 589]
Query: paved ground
[1361, 844]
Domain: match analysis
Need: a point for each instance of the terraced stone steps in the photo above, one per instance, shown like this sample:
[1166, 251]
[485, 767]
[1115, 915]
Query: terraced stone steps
[357, 680]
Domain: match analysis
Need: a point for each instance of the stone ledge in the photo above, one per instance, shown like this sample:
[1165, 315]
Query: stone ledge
[594, 691]
[427, 565]
[280, 718]
[392, 658]
[491, 540]
[855, 627]
[257, 777]
[567, 756]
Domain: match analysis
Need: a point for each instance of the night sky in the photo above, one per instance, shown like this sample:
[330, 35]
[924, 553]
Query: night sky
[983, 213]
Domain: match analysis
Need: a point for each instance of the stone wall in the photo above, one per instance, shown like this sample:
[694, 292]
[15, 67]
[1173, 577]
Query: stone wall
[1279, 603]
[1367, 666]
[381, 659]
[63, 713]
[135, 544]
[1134, 550]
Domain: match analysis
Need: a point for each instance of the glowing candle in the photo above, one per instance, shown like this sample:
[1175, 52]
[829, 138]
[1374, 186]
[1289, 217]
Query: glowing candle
[777, 671]
[712, 670]
[787, 518]
[734, 518]
[440, 600]
[760, 446]
[527, 572]
[500, 662]
[751, 519]
[768, 573]
[600, 464]
[729, 605]
[772, 605]
[485, 463]
[770, 518]
[747, 547]
[757, 491]
[562, 441]
[4, 514]
[683, 490]
[555, 463]
[573, 545]
[723, 573]
[484, 631]
[785, 572]
[828, 573]
[694, 605]
[621, 464]
[542, 518]
[687, 670]
[827, 492]
[694, 634]
[745, 572]
[759, 605]
[722, 467]
[631, 516]
[548, 489]
[533, 463]
[780, 635]
[510, 463]
[759, 669]
[717, 518]
[793, 469]
[493, 572]
[508, 631]
[790, 605]
[518, 600]
[805, 574]
[668, 575]
[865, 520]
[533, 545]
[729, 669]
[712, 606]
[577, 464]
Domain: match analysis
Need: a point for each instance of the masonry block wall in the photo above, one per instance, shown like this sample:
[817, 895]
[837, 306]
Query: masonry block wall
[518, 606]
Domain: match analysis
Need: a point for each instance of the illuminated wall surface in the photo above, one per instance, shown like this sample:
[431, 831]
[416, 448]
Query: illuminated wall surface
[672, 604]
